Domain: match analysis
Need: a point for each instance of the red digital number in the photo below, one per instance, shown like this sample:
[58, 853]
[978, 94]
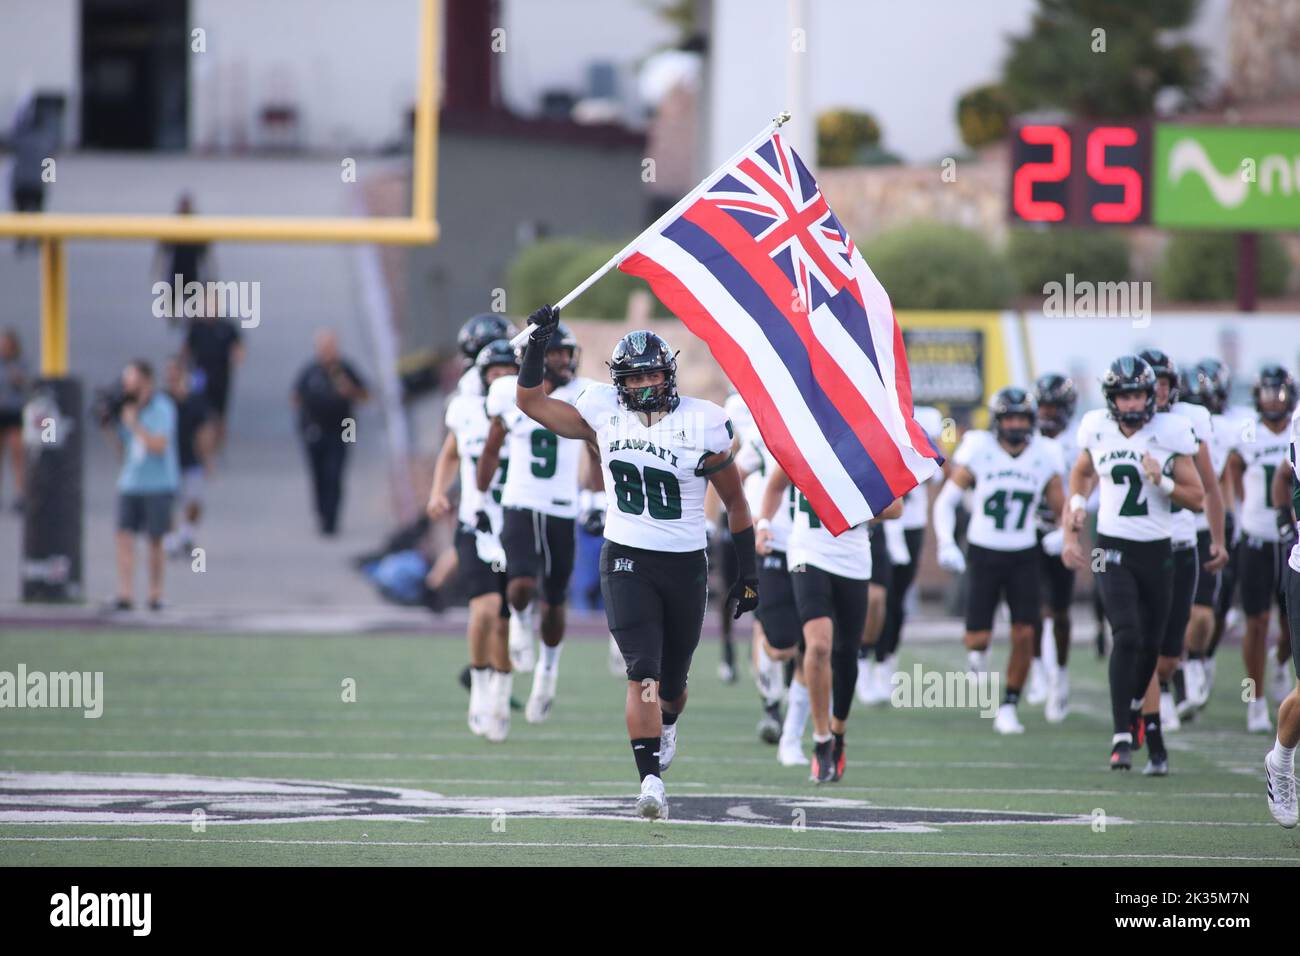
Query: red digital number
[1054, 171]
[1130, 207]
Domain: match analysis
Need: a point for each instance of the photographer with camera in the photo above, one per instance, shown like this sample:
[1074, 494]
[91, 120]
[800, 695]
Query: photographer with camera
[144, 422]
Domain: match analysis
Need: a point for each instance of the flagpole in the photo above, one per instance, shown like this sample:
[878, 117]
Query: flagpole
[780, 119]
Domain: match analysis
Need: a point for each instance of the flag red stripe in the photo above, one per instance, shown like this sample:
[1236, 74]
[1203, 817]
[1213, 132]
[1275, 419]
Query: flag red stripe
[740, 370]
[848, 401]
[903, 383]
[780, 153]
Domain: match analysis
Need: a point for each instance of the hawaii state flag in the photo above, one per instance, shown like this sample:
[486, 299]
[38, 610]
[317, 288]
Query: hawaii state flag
[761, 269]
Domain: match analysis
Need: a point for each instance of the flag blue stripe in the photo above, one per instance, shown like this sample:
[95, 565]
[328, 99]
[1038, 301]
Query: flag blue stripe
[785, 342]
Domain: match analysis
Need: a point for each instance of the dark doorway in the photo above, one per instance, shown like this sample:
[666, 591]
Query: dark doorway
[135, 74]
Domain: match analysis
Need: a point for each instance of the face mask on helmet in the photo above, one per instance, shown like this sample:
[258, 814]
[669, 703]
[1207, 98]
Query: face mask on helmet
[645, 398]
[1013, 435]
[1134, 417]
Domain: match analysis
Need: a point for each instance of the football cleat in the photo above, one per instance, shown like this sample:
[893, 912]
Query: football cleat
[479, 703]
[653, 802]
[769, 726]
[1006, 721]
[667, 745]
[1257, 721]
[522, 641]
[1281, 793]
[823, 763]
[789, 752]
[882, 683]
[1157, 766]
[1194, 684]
[837, 759]
[498, 694]
[726, 673]
[1168, 713]
[866, 666]
[1121, 756]
[1057, 706]
[1036, 692]
[542, 697]
[1208, 667]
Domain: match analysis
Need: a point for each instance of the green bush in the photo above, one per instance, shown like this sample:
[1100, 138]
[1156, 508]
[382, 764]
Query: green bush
[842, 135]
[1037, 257]
[1202, 267]
[932, 265]
[983, 115]
[550, 269]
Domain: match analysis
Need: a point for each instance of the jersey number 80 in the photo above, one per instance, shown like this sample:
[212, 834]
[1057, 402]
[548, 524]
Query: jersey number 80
[659, 489]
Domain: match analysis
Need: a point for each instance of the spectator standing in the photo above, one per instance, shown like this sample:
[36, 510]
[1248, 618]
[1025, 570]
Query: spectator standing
[324, 395]
[214, 347]
[14, 382]
[146, 486]
[194, 450]
[32, 142]
[190, 261]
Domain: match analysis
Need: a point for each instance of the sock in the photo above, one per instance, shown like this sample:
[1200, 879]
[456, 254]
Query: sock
[789, 672]
[1012, 696]
[821, 738]
[839, 742]
[796, 713]
[1179, 686]
[505, 685]
[1121, 739]
[646, 752]
[667, 718]
[1284, 757]
[1155, 740]
[551, 656]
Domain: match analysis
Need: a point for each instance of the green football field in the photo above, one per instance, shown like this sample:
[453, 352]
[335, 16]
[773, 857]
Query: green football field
[201, 735]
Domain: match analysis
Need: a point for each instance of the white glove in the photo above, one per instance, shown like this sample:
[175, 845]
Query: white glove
[951, 558]
[1054, 542]
[896, 543]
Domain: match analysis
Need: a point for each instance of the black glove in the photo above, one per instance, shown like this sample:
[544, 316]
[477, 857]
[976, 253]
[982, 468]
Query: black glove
[593, 521]
[482, 522]
[745, 593]
[546, 319]
[1285, 526]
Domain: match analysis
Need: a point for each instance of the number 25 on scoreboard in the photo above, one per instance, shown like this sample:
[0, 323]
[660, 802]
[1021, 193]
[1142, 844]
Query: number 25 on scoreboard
[1081, 173]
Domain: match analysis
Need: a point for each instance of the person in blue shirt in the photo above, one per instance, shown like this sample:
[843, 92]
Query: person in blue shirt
[147, 483]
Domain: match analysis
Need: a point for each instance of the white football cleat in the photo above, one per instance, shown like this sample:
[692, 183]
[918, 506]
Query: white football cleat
[866, 665]
[522, 643]
[1208, 666]
[667, 745]
[1282, 682]
[498, 718]
[1006, 721]
[1193, 686]
[1036, 692]
[1281, 793]
[789, 752]
[479, 704]
[542, 697]
[1257, 721]
[653, 802]
[977, 662]
[1057, 705]
[1168, 713]
[726, 673]
[617, 666]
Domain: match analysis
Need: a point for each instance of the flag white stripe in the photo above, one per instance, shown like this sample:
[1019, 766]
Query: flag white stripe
[771, 370]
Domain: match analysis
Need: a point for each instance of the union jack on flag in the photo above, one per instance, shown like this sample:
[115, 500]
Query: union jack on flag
[761, 269]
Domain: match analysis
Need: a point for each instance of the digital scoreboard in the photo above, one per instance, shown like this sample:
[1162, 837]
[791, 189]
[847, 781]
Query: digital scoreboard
[1081, 173]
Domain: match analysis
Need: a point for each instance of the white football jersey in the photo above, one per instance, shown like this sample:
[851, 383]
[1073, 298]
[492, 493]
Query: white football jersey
[1007, 488]
[757, 462]
[468, 421]
[470, 383]
[916, 503]
[1129, 507]
[1187, 523]
[1264, 452]
[654, 490]
[849, 555]
[544, 476]
[1066, 441]
[1294, 454]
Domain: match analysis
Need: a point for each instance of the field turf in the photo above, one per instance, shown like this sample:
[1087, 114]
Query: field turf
[923, 787]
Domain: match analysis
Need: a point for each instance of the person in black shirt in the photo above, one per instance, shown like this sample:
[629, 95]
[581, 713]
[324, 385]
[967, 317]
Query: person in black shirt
[324, 394]
[213, 345]
[194, 446]
[190, 261]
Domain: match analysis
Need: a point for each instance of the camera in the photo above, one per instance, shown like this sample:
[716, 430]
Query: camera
[107, 402]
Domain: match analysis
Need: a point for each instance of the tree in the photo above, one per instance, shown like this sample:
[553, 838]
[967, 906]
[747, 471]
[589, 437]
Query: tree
[1103, 57]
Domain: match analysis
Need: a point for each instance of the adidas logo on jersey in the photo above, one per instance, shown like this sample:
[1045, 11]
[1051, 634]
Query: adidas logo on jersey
[622, 564]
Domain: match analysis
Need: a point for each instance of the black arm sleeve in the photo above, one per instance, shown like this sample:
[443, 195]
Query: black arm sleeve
[746, 558]
[530, 367]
